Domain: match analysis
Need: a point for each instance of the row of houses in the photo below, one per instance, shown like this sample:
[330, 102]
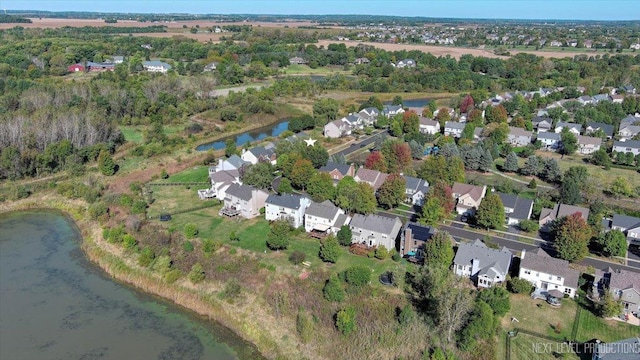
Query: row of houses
[90, 66]
[353, 121]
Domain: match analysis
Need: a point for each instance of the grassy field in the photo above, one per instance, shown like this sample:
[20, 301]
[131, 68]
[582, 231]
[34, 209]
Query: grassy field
[135, 134]
[196, 174]
[539, 317]
[527, 347]
[593, 327]
[296, 69]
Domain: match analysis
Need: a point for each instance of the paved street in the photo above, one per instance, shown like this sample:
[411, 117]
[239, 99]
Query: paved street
[357, 145]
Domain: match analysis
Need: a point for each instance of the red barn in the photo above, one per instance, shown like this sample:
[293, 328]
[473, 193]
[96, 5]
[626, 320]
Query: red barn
[76, 68]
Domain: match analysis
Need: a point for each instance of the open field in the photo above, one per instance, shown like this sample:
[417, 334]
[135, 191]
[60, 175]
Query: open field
[528, 347]
[593, 327]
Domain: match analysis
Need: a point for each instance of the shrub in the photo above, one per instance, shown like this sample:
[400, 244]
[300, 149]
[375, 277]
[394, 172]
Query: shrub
[139, 207]
[519, 286]
[332, 290]
[344, 235]
[190, 230]
[210, 246]
[297, 257]
[162, 264]
[346, 320]
[405, 315]
[497, 298]
[330, 250]
[396, 256]
[187, 246]
[172, 276]
[97, 210]
[381, 253]
[233, 236]
[197, 273]
[529, 225]
[232, 289]
[146, 257]
[304, 326]
[129, 242]
[358, 275]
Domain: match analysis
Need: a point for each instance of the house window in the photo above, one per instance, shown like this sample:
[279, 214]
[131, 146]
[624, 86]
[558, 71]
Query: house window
[567, 291]
[550, 277]
[537, 274]
[558, 278]
[527, 272]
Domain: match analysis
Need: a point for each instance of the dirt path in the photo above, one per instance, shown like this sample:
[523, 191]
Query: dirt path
[518, 180]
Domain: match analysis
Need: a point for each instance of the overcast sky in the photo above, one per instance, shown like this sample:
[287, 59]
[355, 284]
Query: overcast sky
[493, 9]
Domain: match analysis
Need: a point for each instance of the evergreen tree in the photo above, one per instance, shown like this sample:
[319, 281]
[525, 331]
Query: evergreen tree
[330, 249]
[106, 164]
[345, 235]
[332, 290]
[511, 163]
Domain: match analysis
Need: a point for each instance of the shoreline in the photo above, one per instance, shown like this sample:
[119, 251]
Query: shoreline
[109, 259]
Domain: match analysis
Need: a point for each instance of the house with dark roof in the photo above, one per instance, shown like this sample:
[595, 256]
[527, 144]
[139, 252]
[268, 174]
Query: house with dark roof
[542, 124]
[624, 285]
[547, 273]
[573, 128]
[453, 128]
[550, 141]
[324, 217]
[220, 182]
[415, 190]
[337, 171]
[428, 126]
[375, 230]
[592, 127]
[585, 100]
[547, 216]
[468, 197]
[627, 349]
[629, 89]
[632, 146]
[100, 66]
[374, 178]
[588, 145]
[483, 265]
[629, 225]
[234, 162]
[413, 237]
[392, 110]
[265, 153]
[516, 208]
[286, 207]
[518, 136]
[243, 200]
[369, 115]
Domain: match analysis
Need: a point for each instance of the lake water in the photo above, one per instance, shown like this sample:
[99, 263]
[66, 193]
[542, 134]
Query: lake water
[54, 304]
[407, 103]
[249, 136]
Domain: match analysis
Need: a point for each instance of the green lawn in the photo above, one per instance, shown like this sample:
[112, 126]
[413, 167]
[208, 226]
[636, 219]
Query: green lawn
[593, 327]
[295, 69]
[196, 174]
[527, 347]
[542, 319]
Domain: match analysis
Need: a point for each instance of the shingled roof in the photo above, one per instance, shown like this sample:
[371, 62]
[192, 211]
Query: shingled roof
[375, 223]
[491, 260]
[244, 192]
[539, 260]
[288, 201]
[324, 210]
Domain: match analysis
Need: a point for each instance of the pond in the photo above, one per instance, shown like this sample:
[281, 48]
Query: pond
[55, 304]
[409, 103]
[249, 136]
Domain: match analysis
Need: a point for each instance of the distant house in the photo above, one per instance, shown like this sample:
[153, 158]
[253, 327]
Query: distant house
[516, 208]
[549, 140]
[374, 178]
[234, 162]
[616, 99]
[355, 121]
[573, 128]
[243, 200]
[156, 66]
[548, 274]
[629, 225]
[392, 110]
[624, 286]
[406, 63]
[100, 66]
[484, 266]
[220, 182]
[325, 218]
[297, 60]
[76, 68]
[415, 190]
[629, 89]
[518, 136]
[337, 128]
[468, 197]
[453, 128]
[375, 230]
[369, 115]
[117, 59]
[585, 100]
[588, 145]
[413, 238]
[362, 61]
[600, 98]
[258, 154]
[542, 124]
[632, 146]
[547, 216]
[287, 207]
[212, 66]
[613, 350]
[428, 126]
[627, 132]
[338, 171]
[595, 126]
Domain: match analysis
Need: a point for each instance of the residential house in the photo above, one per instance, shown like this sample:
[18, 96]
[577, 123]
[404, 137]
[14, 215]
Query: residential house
[234, 162]
[297, 60]
[337, 128]
[324, 217]
[629, 225]
[100, 66]
[243, 200]
[375, 230]
[627, 132]
[573, 128]
[588, 145]
[600, 97]
[518, 136]
[415, 190]
[624, 285]
[453, 128]
[632, 146]
[369, 115]
[76, 68]
[258, 154]
[468, 197]
[362, 61]
[287, 207]
[595, 126]
[629, 89]
[406, 63]
[374, 178]
[547, 216]
[485, 266]
[616, 98]
[547, 273]
[156, 66]
[338, 171]
[355, 121]
[392, 110]
[516, 208]
[477, 134]
[212, 66]
[549, 140]
[627, 349]
[428, 126]
[413, 238]
[585, 100]
[220, 182]
[542, 124]
[117, 59]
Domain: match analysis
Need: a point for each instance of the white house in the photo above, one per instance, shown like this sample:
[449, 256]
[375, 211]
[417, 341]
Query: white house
[547, 273]
[629, 225]
[549, 140]
[156, 66]
[324, 218]
[483, 265]
[516, 208]
[453, 128]
[234, 162]
[220, 182]
[573, 128]
[518, 136]
[258, 154]
[392, 110]
[287, 207]
[337, 128]
[428, 126]
[415, 190]
[632, 146]
[588, 145]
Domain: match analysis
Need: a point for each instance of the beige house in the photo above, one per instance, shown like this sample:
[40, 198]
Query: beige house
[243, 200]
[468, 197]
[588, 144]
[374, 178]
[547, 216]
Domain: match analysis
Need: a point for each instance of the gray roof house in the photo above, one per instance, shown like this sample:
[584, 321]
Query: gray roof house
[485, 266]
[428, 126]
[574, 128]
[220, 182]
[413, 237]
[453, 128]
[547, 216]
[516, 208]
[624, 286]
[415, 190]
[550, 140]
[375, 230]
[615, 350]
[542, 124]
[627, 132]
[632, 146]
[595, 126]
[588, 144]
[518, 136]
[324, 217]
[258, 154]
[547, 273]
[287, 207]
[234, 162]
[629, 225]
[369, 115]
[392, 110]
[243, 200]
[337, 128]
[156, 66]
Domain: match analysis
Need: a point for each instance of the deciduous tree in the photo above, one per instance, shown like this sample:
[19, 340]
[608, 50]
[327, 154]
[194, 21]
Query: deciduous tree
[321, 187]
[376, 161]
[613, 243]
[572, 235]
[302, 172]
[490, 214]
[330, 249]
[392, 191]
[439, 250]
